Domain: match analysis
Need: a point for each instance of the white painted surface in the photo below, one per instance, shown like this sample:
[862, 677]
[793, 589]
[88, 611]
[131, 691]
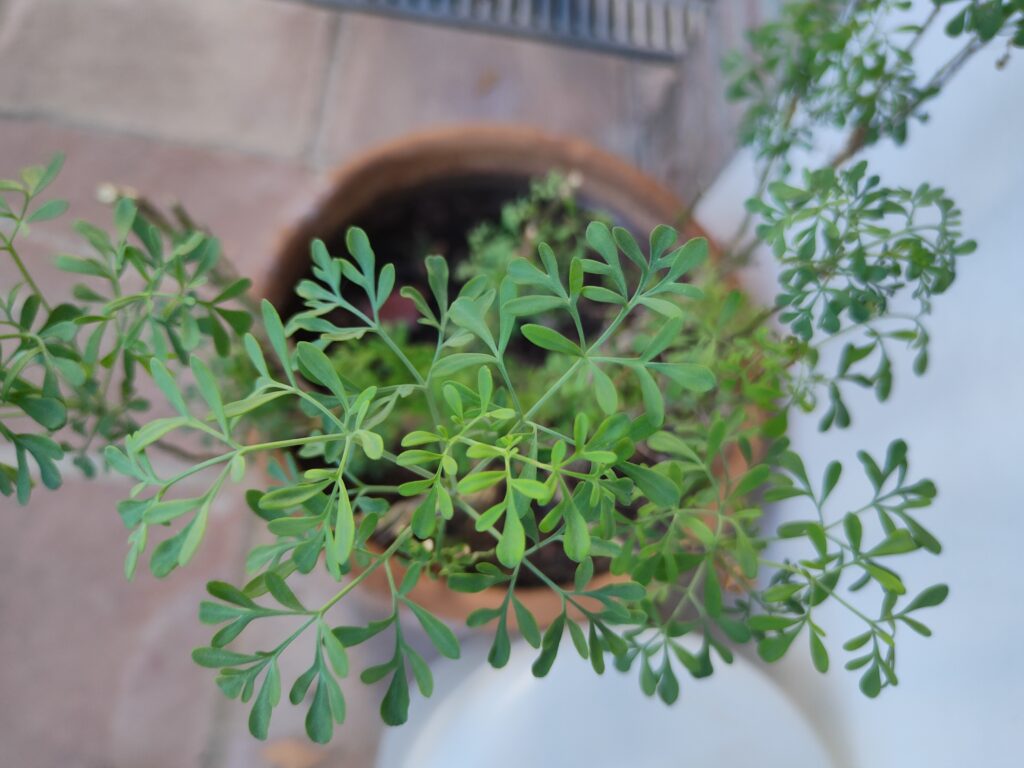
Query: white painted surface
[961, 697]
[507, 718]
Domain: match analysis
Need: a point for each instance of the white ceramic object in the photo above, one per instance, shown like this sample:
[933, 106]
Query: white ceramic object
[572, 718]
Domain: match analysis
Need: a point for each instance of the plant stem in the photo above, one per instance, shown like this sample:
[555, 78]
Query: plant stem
[355, 582]
[389, 342]
[554, 388]
[9, 247]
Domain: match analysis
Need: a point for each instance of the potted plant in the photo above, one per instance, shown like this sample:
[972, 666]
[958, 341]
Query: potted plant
[605, 420]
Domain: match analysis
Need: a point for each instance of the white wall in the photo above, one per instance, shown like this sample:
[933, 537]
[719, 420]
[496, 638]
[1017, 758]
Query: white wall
[961, 698]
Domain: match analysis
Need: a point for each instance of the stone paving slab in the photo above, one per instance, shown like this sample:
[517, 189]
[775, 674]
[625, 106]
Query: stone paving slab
[392, 77]
[96, 670]
[247, 201]
[220, 72]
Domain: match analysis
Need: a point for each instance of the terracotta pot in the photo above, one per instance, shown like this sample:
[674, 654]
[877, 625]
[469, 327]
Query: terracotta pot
[608, 183]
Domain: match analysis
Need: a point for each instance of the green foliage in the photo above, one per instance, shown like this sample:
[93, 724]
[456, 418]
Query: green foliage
[850, 66]
[549, 214]
[71, 369]
[583, 407]
[860, 260]
[572, 396]
[629, 484]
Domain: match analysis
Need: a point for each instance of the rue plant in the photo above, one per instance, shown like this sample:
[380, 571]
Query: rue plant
[612, 406]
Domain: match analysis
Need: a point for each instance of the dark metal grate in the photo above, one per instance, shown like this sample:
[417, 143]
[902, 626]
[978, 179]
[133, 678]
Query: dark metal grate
[650, 28]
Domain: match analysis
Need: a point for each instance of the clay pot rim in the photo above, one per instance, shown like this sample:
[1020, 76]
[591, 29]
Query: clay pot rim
[492, 149]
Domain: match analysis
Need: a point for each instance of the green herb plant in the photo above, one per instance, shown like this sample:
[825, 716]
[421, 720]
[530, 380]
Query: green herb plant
[619, 404]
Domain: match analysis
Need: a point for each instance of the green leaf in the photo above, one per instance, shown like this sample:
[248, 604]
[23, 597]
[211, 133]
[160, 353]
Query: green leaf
[690, 255]
[600, 239]
[654, 403]
[394, 709]
[664, 307]
[854, 530]
[752, 480]
[77, 266]
[501, 648]
[446, 366]
[602, 295]
[437, 278]
[48, 174]
[440, 635]
[359, 246]
[282, 592]
[819, 655]
[523, 272]
[289, 496]
[48, 210]
[420, 671]
[630, 591]
[885, 578]
[624, 240]
[352, 636]
[344, 527]
[604, 390]
[194, 532]
[124, 217]
[373, 444]
[526, 622]
[208, 389]
[696, 378]
[385, 284]
[275, 333]
[318, 365]
[552, 340]
[319, 721]
[898, 542]
[512, 544]
[871, 683]
[167, 384]
[168, 510]
[579, 640]
[549, 647]
[216, 658]
[667, 334]
[479, 481]
[712, 592]
[49, 412]
[266, 700]
[668, 688]
[533, 305]
[577, 535]
[774, 648]
[784, 192]
[655, 486]
[469, 314]
[336, 653]
[780, 593]
[662, 238]
[929, 598]
[770, 622]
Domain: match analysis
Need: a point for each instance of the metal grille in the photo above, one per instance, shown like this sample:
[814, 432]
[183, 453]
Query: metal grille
[648, 28]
